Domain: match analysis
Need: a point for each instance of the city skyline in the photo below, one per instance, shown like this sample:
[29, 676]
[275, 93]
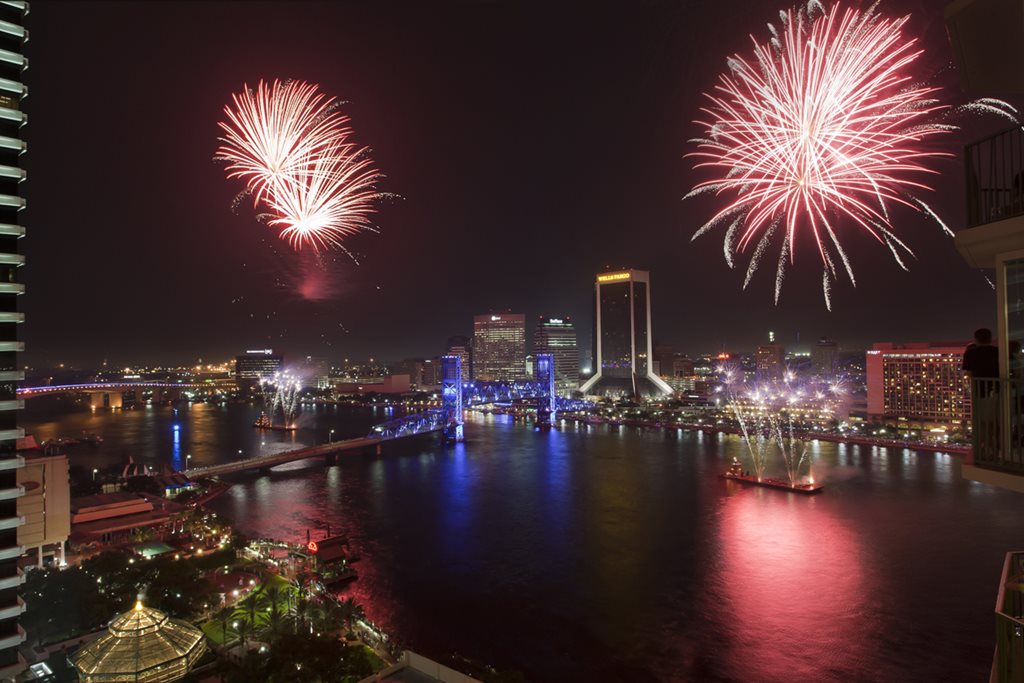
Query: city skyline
[155, 271]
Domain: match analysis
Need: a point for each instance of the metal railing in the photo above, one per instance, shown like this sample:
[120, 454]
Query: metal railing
[994, 170]
[997, 416]
[1009, 660]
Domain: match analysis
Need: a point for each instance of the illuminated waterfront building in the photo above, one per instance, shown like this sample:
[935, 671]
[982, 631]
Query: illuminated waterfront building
[257, 364]
[920, 383]
[622, 337]
[499, 347]
[13, 38]
[771, 362]
[557, 336]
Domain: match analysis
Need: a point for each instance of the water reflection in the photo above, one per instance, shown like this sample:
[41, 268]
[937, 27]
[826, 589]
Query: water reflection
[791, 589]
[606, 553]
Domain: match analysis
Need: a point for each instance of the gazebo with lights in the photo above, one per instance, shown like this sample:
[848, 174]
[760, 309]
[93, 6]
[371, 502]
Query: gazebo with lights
[143, 645]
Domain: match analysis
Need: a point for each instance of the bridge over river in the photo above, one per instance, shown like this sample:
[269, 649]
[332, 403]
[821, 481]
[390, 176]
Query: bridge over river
[410, 425]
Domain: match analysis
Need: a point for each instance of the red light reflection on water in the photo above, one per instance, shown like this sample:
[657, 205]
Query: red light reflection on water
[792, 588]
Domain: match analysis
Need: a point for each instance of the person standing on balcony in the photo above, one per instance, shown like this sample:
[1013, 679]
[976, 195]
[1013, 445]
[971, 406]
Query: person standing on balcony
[981, 362]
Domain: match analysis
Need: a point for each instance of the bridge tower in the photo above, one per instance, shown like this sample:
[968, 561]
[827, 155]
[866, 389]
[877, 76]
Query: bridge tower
[544, 371]
[451, 397]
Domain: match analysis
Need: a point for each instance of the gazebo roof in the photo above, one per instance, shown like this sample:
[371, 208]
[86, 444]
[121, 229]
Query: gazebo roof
[141, 645]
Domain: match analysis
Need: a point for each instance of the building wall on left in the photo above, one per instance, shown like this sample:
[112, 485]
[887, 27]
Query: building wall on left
[13, 40]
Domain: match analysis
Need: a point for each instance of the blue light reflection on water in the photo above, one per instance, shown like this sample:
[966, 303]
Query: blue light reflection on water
[618, 554]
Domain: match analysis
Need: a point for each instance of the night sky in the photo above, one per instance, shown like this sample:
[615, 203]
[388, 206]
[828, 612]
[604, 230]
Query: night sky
[528, 146]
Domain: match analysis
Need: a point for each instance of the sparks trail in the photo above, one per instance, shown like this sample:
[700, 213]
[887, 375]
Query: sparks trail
[290, 146]
[822, 127]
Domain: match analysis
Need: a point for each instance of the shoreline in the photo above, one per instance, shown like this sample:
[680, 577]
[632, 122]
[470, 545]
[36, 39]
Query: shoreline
[953, 449]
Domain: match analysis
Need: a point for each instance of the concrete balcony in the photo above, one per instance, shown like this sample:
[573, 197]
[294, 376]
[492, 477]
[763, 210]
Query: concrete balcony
[12, 29]
[10, 435]
[15, 463]
[13, 143]
[12, 611]
[12, 522]
[11, 201]
[12, 259]
[11, 317]
[12, 581]
[12, 57]
[10, 229]
[17, 347]
[13, 641]
[12, 86]
[16, 288]
[11, 553]
[11, 375]
[9, 673]
[8, 494]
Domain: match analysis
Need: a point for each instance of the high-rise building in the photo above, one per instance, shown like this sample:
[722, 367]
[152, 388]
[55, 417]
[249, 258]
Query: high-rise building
[823, 358]
[664, 360]
[432, 372]
[46, 507]
[622, 337]
[771, 361]
[683, 366]
[460, 346]
[921, 382]
[410, 366]
[499, 347]
[257, 364]
[557, 336]
[13, 37]
[316, 372]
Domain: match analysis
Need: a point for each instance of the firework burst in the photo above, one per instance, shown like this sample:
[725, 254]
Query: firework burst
[822, 127]
[291, 147]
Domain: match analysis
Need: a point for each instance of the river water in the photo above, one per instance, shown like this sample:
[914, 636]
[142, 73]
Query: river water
[618, 554]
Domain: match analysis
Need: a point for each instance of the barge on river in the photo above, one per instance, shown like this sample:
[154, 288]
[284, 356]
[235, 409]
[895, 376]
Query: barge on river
[735, 473]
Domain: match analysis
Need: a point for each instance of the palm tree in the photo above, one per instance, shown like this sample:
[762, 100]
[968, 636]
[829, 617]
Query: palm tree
[351, 612]
[275, 597]
[247, 615]
[301, 612]
[224, 616]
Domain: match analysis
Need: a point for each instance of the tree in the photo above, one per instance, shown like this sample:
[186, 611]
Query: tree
[276, 599]
[224, 618]
[351, 612]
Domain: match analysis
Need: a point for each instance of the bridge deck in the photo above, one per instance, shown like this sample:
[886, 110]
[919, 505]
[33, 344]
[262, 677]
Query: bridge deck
[266, 461]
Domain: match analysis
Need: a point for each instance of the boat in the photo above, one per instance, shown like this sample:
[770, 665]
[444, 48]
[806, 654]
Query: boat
[735, 473]
[263, 422]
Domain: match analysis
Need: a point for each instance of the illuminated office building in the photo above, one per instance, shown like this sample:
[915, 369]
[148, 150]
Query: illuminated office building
[257, 364]
[499, 347]
[622, 337]
[557, 336]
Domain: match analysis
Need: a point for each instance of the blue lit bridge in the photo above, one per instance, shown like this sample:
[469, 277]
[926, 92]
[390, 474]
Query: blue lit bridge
[447, 419]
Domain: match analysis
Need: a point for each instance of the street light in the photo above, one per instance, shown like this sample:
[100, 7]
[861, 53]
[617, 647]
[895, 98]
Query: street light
[94, 471]
[331, 437]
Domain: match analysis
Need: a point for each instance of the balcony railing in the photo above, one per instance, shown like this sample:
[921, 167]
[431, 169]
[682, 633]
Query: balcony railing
[997, 416]
[1009, 659]
[995, 177]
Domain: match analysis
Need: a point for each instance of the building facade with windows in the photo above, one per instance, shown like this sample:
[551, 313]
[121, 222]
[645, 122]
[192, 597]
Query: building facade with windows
[557, 336]
[499, 347]
[920, 383]
[257, 365]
